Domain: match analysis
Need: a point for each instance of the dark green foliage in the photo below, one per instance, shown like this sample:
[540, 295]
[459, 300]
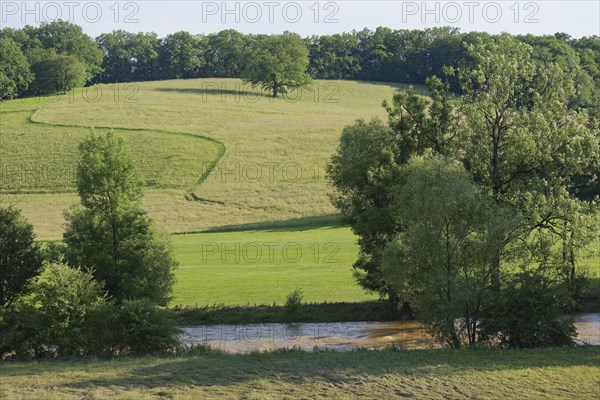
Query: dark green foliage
[277, 63]
[110, 233]
[528, 313]
[363, 171]
[226, 54]
[367, 164]
[55, 73]
[20, 256]
[334, 56]
[68, 39]
[500, 128]
[307, 312]
[181, 55]
[68, 315]
[145, 328]
[129, 57]
[293, 301]
[382, 54]
[15, 75]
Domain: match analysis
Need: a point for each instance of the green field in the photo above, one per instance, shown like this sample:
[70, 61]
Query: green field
[39, 158]
[421, 374]
[263, 266]
[260, 267]
[269, 155]
[272, 169]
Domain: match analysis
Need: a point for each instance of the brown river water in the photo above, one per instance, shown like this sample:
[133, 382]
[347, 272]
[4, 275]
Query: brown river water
[342, 336]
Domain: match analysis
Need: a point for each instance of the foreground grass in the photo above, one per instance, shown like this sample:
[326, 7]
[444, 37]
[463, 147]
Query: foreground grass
[562, 373]
[275, 150]
[262, 267]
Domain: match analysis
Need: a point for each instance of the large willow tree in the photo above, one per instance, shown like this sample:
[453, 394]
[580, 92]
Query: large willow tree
[515, 130]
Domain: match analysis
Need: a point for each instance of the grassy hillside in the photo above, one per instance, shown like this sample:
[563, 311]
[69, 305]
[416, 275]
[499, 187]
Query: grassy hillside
[263, 267]
[38, 158]
[275, 150]
[421, 374]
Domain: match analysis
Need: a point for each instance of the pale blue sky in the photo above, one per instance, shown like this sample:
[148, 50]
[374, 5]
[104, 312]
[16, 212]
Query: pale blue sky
[577, 18]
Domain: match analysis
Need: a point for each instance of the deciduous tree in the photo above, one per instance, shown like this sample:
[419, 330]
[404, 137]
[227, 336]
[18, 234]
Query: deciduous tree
[110, 234]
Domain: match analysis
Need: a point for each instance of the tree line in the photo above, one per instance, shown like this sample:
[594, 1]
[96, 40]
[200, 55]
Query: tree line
[57, 56]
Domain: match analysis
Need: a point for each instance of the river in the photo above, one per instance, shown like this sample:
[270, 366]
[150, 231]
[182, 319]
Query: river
[340, 336]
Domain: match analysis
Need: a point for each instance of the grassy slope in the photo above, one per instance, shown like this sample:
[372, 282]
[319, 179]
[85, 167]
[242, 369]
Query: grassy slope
[422, 374]
[262, 267]
[39, 158]
[276, 150]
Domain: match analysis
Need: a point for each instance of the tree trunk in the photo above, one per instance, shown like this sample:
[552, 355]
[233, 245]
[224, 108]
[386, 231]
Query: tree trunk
[275, 88]
[496, 188]
[571, 287]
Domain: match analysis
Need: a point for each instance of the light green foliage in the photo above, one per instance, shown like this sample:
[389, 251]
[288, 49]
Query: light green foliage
[106, 174]
[61, 312]
[110, 233]
[278, 63]
[443, 260]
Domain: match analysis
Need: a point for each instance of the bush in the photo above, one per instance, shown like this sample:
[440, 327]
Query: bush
[528, 313]
[66, 315]
[292, 304]
[144, 328]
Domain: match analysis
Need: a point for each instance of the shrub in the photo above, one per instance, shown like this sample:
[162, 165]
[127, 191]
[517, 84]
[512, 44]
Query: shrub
[145, 328]
[64, 316]
[528, 313]
[292, 304]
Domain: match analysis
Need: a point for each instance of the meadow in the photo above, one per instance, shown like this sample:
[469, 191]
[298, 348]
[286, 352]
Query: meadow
[270, 154]
[262, 267]
[216, 157]
[557, 373]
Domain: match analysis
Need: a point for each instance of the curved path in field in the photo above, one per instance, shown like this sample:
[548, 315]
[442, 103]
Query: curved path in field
[220, 146]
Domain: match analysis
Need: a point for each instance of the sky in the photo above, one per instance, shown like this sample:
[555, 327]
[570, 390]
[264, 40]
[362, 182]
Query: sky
[577, 18]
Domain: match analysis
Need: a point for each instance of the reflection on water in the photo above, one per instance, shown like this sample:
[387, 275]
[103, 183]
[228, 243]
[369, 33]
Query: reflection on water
[341, 336]
[588, 329]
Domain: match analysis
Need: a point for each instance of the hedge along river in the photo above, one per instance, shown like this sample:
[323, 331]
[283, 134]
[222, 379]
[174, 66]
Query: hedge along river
[342, 336]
